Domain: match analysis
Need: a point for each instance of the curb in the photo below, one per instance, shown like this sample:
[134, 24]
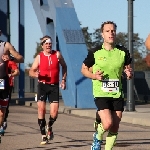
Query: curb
[135, 118]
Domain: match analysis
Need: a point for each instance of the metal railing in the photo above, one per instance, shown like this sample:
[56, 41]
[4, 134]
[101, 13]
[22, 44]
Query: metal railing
[141, 85]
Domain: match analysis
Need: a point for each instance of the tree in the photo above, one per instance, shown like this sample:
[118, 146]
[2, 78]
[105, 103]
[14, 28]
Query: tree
[29, 65]
[94, 39]
[139, 51]
[38, 49]
[140, 62]
[87, 37]
[97, 38]
[122, 39]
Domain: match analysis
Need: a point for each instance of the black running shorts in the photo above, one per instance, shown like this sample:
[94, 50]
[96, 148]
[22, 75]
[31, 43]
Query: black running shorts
[48, 91]
[113, 104]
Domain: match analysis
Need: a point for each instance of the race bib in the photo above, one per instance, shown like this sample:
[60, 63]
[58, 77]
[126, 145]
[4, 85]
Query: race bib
[110, 85]
[2, 84]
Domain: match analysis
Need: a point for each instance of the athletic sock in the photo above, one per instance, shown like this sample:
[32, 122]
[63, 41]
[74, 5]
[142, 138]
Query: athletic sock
[42, 124]
[100, 131]
[51, 121]
[110, 140]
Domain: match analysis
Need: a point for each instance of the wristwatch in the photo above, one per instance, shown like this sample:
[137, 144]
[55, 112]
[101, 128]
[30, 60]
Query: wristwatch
[64, 80]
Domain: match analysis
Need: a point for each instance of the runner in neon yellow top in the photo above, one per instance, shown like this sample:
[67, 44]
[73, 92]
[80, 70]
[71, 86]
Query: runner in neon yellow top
[108, 63]
[110, 86]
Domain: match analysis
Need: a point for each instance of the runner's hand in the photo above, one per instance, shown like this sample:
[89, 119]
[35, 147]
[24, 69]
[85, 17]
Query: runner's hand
[129, 72]
[63, 85]
[5, 57]
[35, 74]
[99, 75]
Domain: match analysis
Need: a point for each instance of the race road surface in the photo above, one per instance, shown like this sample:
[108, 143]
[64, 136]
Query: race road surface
[71, 133]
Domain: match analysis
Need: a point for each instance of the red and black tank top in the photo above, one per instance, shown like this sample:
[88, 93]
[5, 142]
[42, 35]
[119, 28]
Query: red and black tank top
[49, 68]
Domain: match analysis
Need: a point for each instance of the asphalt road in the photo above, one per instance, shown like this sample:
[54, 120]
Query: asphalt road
[71, 132]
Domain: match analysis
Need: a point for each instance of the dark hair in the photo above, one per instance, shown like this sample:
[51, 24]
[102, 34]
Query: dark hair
[46, 36]
[107, 22]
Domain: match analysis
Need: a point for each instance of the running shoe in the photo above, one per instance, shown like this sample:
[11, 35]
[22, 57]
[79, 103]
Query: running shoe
[49, 134]
[96, 145]
[44, 140]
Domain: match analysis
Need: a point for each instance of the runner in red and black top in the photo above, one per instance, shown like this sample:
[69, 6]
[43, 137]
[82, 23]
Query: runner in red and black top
[46, 68]
[5, 50]
[12, 72]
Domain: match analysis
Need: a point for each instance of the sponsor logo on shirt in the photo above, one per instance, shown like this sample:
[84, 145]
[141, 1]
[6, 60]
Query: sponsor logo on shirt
[102, 58]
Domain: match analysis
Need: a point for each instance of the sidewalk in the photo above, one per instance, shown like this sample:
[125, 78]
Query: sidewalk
[139, 117]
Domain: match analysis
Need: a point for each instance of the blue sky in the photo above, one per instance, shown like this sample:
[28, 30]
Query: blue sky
[90, 13]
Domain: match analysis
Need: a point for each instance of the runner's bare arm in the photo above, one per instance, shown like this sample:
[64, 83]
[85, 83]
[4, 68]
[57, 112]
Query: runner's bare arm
[64, 66]
[15, 72]
[34, 68]
[91, 69]
[87, 72]
[14, 68]
[18, 58]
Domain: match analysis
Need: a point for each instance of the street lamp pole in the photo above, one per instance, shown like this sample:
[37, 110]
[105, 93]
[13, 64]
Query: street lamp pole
[130, 103]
